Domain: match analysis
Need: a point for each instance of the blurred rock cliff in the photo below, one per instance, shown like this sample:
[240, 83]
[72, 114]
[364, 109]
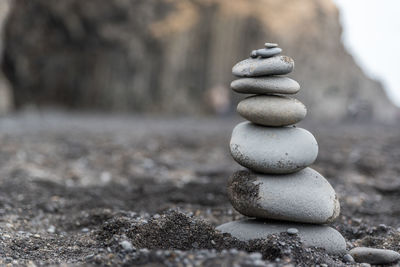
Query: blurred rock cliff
[6, 99]
[175, 56]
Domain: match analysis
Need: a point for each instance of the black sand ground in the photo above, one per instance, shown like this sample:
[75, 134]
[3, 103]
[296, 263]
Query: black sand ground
[79, 190]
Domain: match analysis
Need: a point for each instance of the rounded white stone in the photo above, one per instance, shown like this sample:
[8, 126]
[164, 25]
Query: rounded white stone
[312, 235]
[271, 149]
[266, 85]
[253, 67]
[304, 196]
[272, 110]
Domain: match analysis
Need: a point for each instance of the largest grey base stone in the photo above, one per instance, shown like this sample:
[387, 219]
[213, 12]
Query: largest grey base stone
[319, 236]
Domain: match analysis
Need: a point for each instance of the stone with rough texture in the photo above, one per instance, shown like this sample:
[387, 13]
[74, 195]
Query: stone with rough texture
[374, 255]
[272, 110]
[312, 235]
[304, 196]
[253, 67]
[271, 149]
[266, 85]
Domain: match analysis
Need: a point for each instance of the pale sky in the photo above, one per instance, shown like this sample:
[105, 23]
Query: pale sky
[371, 33]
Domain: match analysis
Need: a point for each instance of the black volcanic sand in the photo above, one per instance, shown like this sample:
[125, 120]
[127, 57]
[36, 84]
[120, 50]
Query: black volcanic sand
[92, 190]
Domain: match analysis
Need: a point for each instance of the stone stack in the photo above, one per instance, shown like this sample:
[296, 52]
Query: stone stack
[277, 189]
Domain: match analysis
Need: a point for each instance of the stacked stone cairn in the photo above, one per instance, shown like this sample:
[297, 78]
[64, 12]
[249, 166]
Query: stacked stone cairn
[277, 189]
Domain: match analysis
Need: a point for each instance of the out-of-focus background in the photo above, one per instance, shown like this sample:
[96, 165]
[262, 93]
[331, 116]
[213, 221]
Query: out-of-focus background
[116, 111]
[175, 57]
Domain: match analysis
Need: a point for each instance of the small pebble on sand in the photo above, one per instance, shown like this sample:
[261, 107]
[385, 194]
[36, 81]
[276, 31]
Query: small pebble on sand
[292, 231]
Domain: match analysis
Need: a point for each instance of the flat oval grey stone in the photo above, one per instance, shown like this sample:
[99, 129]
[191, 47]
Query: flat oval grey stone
[268, 52]
[304, 196]
[270, 45]
[253, 67]
[266, 85]
[374, 255]
[272, 149]
[319, 236]
[272, 110]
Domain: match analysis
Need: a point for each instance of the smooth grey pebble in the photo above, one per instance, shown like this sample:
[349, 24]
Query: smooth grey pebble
[126, 245]
[272, 110]
[348, 258]
[254, 67]
[292, 231]
[265, 85]
[270, 52]
[374, 255]
[270, 45]
[273, 149]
